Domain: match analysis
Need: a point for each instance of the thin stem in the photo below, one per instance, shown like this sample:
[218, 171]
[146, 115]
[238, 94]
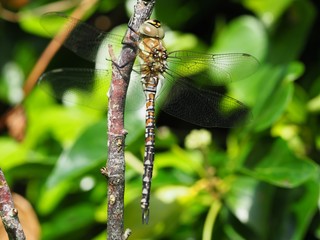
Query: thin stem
[8, 213]
[115, 169]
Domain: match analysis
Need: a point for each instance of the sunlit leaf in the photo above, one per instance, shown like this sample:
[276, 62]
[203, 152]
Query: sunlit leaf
[89, 151]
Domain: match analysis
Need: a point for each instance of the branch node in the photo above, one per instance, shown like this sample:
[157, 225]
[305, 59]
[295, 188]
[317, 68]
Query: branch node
[126, 234]
[112, 199]
[104, 171]
[13, 212]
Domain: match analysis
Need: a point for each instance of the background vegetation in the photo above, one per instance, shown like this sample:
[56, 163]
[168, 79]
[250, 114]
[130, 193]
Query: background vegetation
[260, 181]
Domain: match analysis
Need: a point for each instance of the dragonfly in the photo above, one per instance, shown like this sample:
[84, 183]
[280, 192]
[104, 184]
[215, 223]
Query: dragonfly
[177, 82]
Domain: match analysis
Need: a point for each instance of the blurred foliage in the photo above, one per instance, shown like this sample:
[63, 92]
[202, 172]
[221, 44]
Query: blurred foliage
[260, 181]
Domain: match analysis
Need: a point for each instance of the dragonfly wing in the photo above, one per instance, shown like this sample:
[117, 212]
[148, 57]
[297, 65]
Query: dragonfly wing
[201, 106]
[217, 69]
[77, 36]
[86, 87]
[89, 87]
[135, 95]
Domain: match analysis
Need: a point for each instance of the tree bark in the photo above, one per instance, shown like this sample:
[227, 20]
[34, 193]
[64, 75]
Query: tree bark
[8, 213]
[115, 169]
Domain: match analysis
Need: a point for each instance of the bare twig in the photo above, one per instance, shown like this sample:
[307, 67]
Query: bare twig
[8, 213]
[116, 133]
[53, 47]
[8, 15]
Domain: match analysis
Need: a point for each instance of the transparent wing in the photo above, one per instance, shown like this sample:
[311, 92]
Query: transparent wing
[216, 69]
[79, 37]
[88, 87]
[199, 106]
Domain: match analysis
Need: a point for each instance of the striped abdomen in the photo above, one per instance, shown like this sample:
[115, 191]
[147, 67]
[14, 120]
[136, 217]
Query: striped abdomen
[148, 155]
[153, 58]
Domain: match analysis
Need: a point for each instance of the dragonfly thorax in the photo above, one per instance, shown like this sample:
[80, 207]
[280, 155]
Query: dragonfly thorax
[153, 56]
[151, 28]
[152, 53]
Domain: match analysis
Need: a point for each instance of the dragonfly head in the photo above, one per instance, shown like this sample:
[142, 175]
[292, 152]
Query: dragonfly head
[152, 28]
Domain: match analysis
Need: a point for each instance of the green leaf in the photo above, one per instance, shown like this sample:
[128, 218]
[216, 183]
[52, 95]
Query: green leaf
[187, 161]
[297, 111]
[88, 152]
[161, 212]
[51, 197]
[305, 207]
[273, 100]
[288, 209]
[244, 199]
[268, 10]
[282, 167]
[13, 154]
[180, 41]
[290, 36]
[245, 35]
[30, 22]
[75, 220]
[48, 120]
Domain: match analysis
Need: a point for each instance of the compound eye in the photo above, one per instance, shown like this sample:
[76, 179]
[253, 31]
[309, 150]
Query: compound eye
[152, 28]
